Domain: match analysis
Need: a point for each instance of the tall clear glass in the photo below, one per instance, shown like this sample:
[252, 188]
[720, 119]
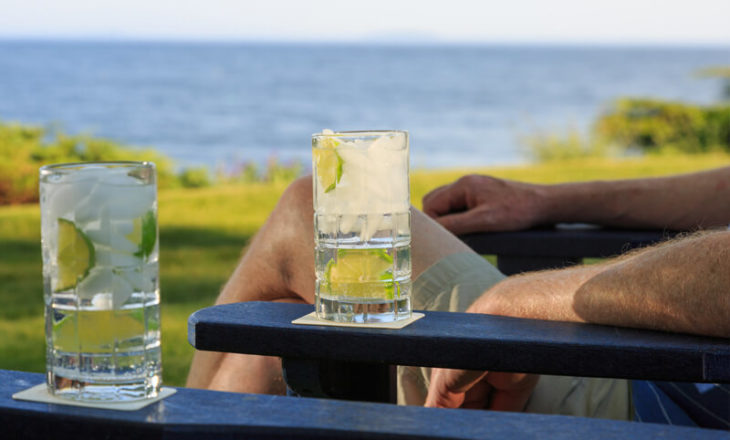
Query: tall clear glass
[100, 273]
[362, 226]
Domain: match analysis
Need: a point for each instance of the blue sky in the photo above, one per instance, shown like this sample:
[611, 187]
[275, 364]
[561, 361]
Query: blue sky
[516, 21]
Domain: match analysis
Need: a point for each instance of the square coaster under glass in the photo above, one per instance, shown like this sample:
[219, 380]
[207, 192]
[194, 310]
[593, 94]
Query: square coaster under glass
[39, 393]
[312, 319]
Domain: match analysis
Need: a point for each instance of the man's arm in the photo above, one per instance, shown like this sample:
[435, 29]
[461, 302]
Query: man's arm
[683, 202]
[680, 286]
[680, 202]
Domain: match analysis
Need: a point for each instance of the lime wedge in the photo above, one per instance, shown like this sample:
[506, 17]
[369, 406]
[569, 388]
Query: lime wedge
[97, 331]
[361, 273]
[75, 255]
[144, 233]
[328, 163]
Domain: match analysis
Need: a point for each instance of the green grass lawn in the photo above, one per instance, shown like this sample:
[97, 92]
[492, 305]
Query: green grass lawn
[202, 234]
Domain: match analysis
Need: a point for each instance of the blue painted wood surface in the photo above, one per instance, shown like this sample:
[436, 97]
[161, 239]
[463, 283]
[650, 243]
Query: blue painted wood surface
[199, 414]
[565, 240]
[559, 246]
[472, 341]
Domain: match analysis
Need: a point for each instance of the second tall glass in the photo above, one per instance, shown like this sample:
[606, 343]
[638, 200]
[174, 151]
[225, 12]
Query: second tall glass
[100, 271]
[362, 226]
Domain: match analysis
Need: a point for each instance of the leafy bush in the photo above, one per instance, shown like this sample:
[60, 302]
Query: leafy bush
[640, 126]
[195, 177]
[24, 149]
[650, 125]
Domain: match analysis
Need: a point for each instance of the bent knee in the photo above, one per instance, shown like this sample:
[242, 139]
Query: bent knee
[293, 216]
[298, 193]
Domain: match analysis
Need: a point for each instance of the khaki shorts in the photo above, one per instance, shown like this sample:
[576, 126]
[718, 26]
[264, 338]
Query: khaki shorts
[452, 284]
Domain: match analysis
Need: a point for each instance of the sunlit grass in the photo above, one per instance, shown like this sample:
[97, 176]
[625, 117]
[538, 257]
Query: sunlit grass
[202, 233]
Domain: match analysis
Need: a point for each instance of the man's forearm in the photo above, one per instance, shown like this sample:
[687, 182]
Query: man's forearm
[681, 286]
[689, 201]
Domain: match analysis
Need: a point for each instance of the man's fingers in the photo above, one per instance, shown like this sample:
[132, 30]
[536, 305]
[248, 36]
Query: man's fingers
[474, 389]
[460, 381]
[444, 200]
[477, 397]
[448, 387]
[463, 222]
[428, 200]
[511, 390]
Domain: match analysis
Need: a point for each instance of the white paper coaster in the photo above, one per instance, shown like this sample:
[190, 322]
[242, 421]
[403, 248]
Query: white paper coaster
[311, 319]
[39, 393]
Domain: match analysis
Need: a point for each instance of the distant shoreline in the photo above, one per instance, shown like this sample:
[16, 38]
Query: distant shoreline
[379, 43]
[236, 102]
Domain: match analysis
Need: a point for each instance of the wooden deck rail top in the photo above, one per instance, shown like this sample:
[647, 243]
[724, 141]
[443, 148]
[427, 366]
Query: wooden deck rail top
[470, 341]
[198, 414]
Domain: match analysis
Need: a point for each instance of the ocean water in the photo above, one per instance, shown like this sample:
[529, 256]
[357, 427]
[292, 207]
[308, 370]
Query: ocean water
[223, 103]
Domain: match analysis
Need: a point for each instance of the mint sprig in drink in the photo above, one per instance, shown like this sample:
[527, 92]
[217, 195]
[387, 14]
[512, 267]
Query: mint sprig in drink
[362, 226]
[100, 270]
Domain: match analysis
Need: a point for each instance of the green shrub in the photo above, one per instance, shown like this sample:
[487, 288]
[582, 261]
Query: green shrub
[18, 176]
[24, 149]
[648, 125]
[197, 177]
[641, 126]
[717, 127]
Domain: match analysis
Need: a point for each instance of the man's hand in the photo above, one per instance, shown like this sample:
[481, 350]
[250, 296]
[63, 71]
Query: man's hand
[477, 203]
[677, 286]
[480, 390]
[519, 296]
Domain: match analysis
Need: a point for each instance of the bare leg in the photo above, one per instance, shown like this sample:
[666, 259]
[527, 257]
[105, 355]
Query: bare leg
[279, 266]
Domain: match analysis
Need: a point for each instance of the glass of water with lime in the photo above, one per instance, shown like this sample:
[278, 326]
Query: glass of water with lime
[362, 226]
[100, 270]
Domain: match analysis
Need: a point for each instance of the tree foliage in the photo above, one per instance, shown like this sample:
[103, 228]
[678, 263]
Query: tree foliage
[634, 126]
[650, 125]
[24, 149]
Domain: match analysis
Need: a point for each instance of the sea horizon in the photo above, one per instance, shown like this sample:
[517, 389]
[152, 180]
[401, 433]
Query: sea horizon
[214, 102]
[375, 41]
